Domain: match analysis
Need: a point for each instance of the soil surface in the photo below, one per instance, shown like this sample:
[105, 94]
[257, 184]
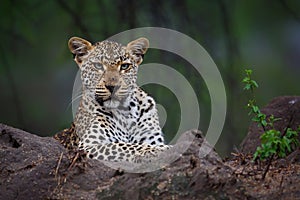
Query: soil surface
[33, 167]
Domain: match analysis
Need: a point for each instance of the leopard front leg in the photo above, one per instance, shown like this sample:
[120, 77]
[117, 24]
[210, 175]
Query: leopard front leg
[118, 152]
[149, 153]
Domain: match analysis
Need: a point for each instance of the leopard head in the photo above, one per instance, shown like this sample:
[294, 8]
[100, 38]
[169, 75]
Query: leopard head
[108, 69]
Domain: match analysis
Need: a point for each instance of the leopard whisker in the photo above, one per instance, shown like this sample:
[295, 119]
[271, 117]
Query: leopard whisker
[74, 99]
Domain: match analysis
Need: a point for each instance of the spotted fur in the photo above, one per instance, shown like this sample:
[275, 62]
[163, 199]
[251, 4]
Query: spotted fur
[116, 120]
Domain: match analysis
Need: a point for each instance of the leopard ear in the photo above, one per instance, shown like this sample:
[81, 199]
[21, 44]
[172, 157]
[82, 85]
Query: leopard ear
[79, 48]
[137, 49]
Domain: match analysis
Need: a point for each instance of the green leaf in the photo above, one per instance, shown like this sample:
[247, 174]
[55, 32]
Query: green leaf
[254, 83]
[247, 87]
[255, 109]
[246, 80]
[286, 144]
[256, 154]
[248, 71]
[264, 123]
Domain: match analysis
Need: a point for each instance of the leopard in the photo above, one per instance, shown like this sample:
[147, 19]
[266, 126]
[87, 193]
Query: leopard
[116, 120]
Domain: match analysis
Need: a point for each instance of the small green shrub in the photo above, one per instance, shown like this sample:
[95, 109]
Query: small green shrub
[273, 142]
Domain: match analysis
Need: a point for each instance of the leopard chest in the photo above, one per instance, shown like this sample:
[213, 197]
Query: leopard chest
[113, 125]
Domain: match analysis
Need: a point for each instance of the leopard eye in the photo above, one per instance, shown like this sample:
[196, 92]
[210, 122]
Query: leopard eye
[125, 66]
[98, 65]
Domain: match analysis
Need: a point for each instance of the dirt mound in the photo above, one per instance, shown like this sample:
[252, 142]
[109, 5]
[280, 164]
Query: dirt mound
[33, 167]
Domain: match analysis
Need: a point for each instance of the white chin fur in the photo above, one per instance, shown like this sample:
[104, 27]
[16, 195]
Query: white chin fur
[111, 104]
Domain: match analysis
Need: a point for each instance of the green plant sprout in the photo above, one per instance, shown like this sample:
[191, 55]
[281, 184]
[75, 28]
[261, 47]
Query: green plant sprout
[273, 142]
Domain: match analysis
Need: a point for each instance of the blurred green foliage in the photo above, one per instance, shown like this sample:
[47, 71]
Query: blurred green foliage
[37, 71]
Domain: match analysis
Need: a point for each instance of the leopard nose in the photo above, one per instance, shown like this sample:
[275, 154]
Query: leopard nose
[110, 88]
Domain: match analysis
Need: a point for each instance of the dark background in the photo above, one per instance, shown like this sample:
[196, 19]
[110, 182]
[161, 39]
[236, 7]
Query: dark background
[37, 71]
